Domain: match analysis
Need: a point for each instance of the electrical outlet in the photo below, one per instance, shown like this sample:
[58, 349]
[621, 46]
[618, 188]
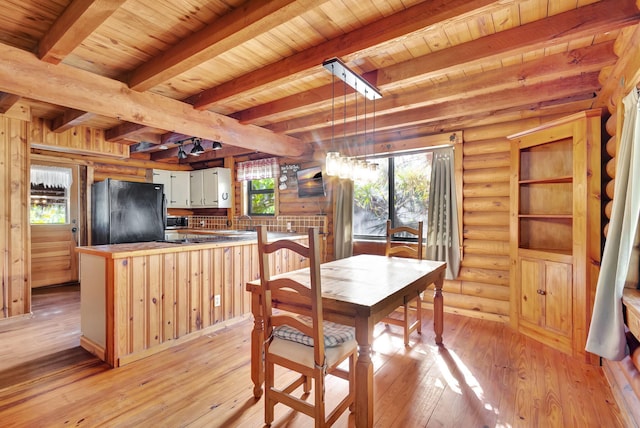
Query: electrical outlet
[288, 226]
[216, 300]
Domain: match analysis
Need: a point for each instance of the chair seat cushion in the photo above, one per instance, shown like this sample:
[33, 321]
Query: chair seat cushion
[334, 334]
[303, 354]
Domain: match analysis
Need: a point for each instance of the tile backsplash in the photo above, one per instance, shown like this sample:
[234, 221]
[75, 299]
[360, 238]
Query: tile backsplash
[284, 223]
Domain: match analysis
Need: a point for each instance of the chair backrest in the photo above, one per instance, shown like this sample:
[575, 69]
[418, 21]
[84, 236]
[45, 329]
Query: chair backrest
[294, 298]
[404, 250]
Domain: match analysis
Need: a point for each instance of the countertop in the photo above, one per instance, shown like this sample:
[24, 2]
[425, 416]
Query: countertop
[156, 247]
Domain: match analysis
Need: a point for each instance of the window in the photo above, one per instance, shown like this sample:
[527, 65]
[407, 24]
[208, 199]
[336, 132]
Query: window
[49, 201]
[400, 193]
[261, 197]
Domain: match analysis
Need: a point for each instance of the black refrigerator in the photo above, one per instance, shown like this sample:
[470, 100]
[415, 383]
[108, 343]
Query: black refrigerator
[126, 211]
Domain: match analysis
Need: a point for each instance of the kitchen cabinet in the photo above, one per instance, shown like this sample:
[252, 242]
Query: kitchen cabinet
[555, 230]
[176, 187]
[210, 188]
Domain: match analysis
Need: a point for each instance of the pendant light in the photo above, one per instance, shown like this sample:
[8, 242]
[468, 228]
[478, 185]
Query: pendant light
[337, 164]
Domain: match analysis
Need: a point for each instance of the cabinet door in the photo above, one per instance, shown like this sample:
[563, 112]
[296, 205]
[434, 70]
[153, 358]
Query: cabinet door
[531, 302]
[210, 187]
[558, 297]
[224, 188]
[179, 189]
[161, 176]
[196, 189]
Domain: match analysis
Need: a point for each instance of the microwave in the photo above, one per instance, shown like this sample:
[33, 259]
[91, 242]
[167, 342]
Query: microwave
[177, 222]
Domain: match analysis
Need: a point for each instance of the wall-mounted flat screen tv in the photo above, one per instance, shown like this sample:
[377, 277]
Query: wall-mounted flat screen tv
[310, 182]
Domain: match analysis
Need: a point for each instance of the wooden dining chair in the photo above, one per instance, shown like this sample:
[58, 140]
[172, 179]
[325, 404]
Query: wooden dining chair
[299, 339]
[402, 314]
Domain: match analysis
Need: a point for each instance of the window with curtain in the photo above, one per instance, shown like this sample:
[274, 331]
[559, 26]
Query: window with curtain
[49, 201]
[400, 193]
[259, 177]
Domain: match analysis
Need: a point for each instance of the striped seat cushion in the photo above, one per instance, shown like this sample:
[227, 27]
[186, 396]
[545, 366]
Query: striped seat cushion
[334, 334]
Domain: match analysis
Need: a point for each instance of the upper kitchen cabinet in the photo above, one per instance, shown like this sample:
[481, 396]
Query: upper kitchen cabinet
[176, 187]
[555, 229]
[210, 188]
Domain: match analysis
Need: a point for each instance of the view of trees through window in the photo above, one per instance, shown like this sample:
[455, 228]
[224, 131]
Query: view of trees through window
[400, 192]
[261, 197]
[49, 205]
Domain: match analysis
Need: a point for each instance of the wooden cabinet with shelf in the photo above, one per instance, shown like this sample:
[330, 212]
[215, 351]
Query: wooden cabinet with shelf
[555, 229]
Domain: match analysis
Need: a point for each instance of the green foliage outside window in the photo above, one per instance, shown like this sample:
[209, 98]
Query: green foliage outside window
[406, 202]
[262, 199]
[49, 205]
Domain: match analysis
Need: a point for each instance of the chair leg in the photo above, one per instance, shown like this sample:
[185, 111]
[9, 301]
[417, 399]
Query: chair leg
[319, 400]
[269, 404]
[407, 322]
[419, 313]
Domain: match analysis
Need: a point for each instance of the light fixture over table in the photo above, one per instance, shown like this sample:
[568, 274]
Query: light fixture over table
[343, 166]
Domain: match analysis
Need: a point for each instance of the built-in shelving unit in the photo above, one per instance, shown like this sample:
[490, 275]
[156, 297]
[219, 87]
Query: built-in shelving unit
[555, 229]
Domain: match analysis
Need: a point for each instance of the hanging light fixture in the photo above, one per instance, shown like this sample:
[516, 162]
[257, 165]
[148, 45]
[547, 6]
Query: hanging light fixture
[336, 164]
[217, 145]
[181, 152]
[197, 149]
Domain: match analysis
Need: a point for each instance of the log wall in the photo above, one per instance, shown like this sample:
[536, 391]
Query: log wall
[15, 296]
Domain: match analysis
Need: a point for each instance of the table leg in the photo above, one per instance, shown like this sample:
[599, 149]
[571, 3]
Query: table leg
[257, 340]
[364, 373]
[438, 308]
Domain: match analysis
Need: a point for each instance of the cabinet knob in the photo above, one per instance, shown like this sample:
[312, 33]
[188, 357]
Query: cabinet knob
[542, 292]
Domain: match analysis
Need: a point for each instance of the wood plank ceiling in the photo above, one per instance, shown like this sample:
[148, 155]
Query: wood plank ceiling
[249, 74]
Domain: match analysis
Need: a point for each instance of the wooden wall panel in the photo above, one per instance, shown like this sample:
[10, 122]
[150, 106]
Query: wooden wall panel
[15, 298]
[163, 298]
[79, 139]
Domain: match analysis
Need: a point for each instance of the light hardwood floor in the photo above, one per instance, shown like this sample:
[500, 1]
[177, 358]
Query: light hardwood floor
[485, 376]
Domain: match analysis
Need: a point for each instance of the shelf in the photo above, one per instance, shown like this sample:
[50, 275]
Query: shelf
[546, 216]
[551, 180]
[553, 254]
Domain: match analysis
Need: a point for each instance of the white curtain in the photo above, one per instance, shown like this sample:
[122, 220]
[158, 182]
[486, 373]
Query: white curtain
[51, 176]
[443, 243]
[606, 334]
[258, 169]
[343, 220]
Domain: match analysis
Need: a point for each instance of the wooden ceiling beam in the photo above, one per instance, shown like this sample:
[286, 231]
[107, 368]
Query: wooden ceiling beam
[531, 97]
[561, 65]
[576, 61]
[23, 74]
[233, 29]
[69, 119]
[124, 131]
[7, 101]
[415, 18]
[585, 21]
[77, 22]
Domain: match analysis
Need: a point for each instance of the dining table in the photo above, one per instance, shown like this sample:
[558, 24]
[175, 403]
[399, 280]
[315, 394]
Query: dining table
[359, 291]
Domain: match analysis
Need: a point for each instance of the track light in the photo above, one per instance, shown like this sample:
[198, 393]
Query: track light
[217, 145]
[181, 152]
[197, 147]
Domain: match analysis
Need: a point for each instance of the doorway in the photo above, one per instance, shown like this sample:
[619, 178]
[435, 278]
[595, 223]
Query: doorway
[56, 227]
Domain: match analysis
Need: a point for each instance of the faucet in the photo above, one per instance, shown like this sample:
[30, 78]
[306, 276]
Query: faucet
[248, 217]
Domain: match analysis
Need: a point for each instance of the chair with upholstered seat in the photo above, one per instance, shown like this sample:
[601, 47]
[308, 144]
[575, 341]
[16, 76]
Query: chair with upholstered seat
[299, 339]
[403, 314]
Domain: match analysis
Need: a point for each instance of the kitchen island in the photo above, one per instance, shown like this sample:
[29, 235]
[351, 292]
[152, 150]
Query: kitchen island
[141, 298]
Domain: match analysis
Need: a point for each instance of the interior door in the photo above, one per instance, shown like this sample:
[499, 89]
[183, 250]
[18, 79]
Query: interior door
[55, 227]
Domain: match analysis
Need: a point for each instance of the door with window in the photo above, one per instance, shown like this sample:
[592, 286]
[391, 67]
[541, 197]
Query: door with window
[55, 225]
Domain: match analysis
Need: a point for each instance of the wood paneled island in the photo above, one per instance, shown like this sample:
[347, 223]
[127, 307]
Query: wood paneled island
[141, 298]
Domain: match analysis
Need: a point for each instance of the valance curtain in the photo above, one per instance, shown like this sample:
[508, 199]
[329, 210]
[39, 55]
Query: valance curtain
[443, 243]
[606, 333]
[258, 169]
[51, 176]
[343, 220]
